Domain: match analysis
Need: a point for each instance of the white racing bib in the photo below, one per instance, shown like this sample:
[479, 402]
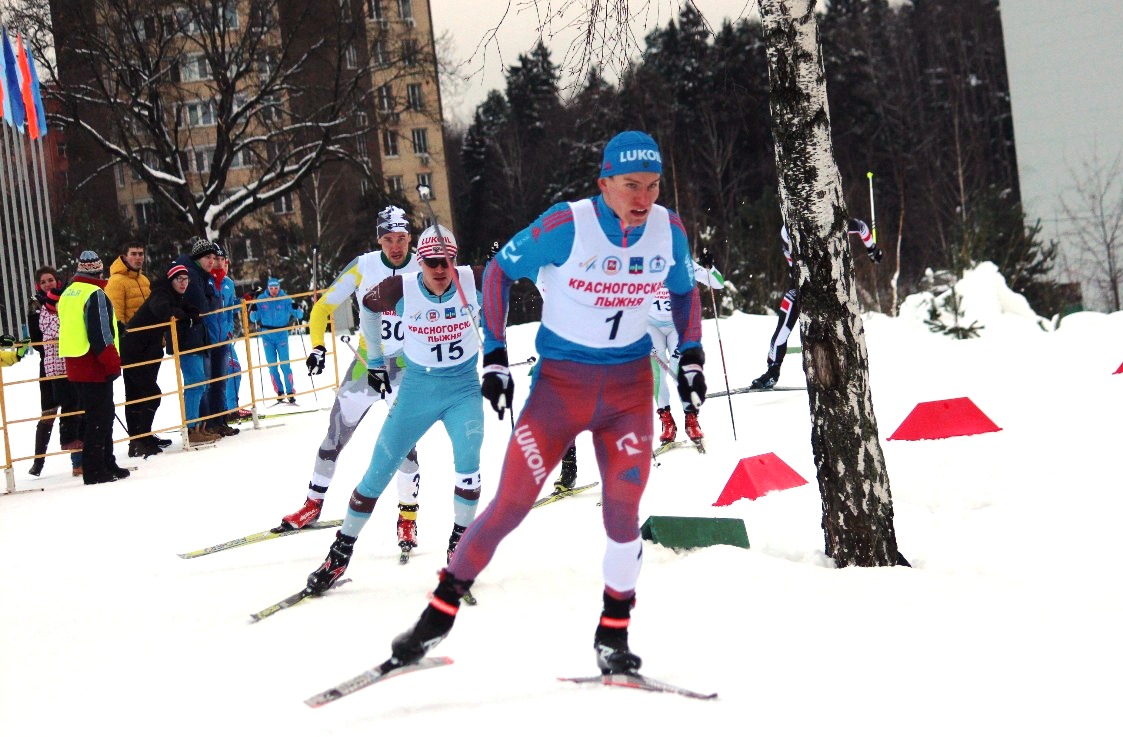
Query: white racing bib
[600, 297]
[660, 311]
[440, 335]
[372, 271]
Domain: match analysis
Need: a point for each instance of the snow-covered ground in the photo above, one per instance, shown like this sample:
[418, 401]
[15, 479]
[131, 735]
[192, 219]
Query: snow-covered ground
[1008, 622]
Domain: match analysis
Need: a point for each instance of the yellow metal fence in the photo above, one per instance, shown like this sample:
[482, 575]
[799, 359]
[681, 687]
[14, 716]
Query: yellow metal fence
[8, 425]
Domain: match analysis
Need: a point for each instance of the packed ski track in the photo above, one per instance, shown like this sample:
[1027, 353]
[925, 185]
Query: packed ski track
[1007, 622]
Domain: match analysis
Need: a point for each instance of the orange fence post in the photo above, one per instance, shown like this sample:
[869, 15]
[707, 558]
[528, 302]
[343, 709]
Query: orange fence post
[179, 384]
[249, 363]
[9, 472]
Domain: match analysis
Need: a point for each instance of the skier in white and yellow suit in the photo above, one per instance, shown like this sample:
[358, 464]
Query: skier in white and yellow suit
[355, 397]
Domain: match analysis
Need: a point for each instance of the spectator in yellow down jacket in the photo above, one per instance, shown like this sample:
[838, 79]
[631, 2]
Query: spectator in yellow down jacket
[128, 287]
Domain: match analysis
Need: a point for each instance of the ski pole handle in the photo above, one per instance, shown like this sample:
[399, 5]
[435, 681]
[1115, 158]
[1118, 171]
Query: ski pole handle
[347, 342]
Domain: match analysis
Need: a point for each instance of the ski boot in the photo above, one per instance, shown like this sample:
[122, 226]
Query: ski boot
[304, 516]
[767, 380]
[693, 431]
[435, 622]
[407, 526]
[454, 539]
[611, 639]
[339, 555]
[670, 430]
[568, 471]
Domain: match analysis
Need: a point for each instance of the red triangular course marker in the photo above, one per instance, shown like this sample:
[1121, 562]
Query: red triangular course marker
[754, 477]
[1119, 370]
[945, 418]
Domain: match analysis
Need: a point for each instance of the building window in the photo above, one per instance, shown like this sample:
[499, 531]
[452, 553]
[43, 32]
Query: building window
[414, 97]
[145, 212]
[201, 159]
[200, 113]
[283, 204]
[351, 57]
[420, 141]
[194, 68]
[230, 14]
[345, 10]
[389, 143]
[270, 108]
[386, 99]
[60, 148]
[395, 184]
[122, 172]
[378, 52]
[266, 66]
[365, 187]
[425, 179]
[405, 10]
[374, 10]
[242, 159]
[409, 52]
[125, 216]
[362, 125]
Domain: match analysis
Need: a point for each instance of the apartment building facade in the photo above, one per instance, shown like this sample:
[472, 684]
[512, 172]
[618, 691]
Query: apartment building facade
[397, 132]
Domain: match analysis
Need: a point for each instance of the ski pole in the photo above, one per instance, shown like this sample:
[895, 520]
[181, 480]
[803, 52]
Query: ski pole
[873, 213]
[721, 350]
[425, 195]
[528, 362]
[260, 361]
[304, 346]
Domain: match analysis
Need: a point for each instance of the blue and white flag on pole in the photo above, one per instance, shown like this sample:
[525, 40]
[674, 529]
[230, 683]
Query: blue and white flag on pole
[14, 114]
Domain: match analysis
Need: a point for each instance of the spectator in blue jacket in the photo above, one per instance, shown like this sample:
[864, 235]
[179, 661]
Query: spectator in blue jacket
[199, 299]
[228, 293]
[272, 310]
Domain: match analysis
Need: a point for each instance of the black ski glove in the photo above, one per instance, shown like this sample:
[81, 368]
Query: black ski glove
[691, 381]
[706, 259]
[860, 229]
[497, 385]
[316, 361]
[378, 378]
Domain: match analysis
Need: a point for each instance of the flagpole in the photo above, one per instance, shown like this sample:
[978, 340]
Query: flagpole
[23, 273]
[10, 235]
[49, 246]
[38, 193]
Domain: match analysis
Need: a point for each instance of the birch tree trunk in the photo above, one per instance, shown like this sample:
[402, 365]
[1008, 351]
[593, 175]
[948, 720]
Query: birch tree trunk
[853, 482]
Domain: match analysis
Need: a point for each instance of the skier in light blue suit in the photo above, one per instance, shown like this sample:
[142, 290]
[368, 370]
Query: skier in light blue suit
[272, 314]
[441, 384]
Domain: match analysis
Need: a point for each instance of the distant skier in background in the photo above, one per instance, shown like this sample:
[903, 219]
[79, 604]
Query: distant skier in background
[665, 340]
[272, 311]
[788, 311]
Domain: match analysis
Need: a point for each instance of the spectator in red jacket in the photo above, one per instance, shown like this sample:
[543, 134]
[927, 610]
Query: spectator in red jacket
[88, 340]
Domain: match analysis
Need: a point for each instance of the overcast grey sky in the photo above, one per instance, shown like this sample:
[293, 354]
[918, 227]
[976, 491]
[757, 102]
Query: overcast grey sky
[488, 53]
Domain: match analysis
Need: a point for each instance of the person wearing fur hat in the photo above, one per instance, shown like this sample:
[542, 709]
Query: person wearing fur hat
[89, 342]
[601, 260]
[355, 396]
[200, 300]
[273, 311]
[441, 383]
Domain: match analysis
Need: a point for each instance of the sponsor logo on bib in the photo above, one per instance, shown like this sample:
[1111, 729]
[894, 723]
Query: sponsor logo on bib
[611, 266]
[635, 265]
